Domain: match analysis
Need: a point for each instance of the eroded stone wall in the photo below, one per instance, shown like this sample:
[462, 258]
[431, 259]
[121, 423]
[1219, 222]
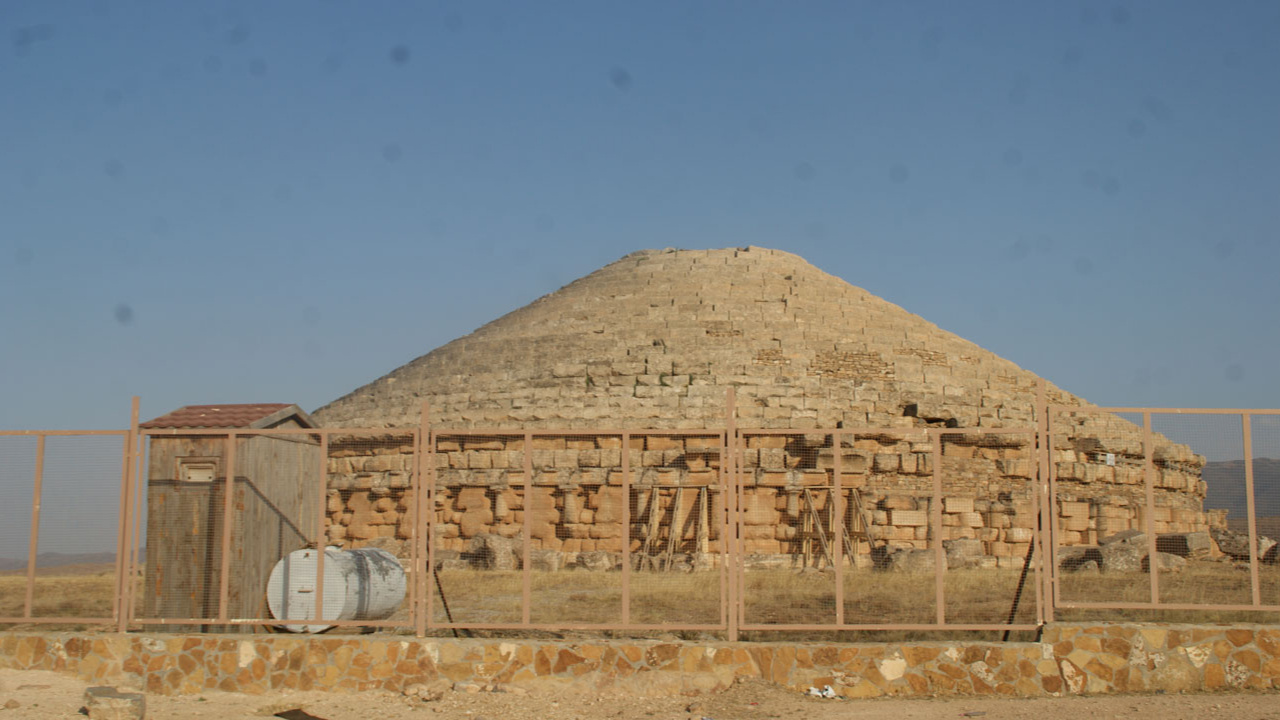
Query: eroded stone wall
[577, 505]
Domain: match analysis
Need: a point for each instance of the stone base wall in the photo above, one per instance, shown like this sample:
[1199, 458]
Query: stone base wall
[1071, 659]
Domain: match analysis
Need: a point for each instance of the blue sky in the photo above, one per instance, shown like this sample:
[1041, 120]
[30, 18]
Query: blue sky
[251, 202]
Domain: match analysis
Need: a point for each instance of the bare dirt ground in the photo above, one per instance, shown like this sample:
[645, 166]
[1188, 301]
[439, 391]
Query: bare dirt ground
[44, 695]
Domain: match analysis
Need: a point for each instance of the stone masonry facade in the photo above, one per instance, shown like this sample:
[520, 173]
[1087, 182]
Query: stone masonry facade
[578, 505]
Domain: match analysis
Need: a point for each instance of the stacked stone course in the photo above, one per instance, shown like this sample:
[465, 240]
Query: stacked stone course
[577, 504]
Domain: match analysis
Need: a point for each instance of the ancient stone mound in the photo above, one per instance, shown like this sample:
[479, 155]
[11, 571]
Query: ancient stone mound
[653, 340]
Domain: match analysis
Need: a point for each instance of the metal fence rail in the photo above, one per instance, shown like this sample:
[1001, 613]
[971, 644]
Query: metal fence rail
[1102, 511]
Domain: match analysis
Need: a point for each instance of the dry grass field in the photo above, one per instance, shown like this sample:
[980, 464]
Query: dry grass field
[772, 597]
[68, 591]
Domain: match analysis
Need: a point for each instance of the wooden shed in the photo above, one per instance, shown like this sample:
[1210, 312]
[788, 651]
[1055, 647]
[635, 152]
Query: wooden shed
[275, 504]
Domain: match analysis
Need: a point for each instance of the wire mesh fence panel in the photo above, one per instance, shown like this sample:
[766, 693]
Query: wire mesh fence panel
[75, 572]
[577, 530]
[17, 482]
[1200, 494]
[179, 510]
[483, 499]
[1265, 468]
[887, 480]
[676, 530]
[989, 516]
[1098, 471]
[790, 533]
[369, 507]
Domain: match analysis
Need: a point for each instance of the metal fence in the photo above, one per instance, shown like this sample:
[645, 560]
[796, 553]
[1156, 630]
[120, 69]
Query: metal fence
[730, 531]
[1197, 489]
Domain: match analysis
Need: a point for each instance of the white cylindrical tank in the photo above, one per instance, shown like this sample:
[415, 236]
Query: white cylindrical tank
[362, 584]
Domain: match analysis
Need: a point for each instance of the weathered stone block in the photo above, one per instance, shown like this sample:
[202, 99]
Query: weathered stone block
[107, 703]
[908, 518]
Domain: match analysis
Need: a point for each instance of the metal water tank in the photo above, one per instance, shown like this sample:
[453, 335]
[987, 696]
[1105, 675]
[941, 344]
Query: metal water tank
[361, 584]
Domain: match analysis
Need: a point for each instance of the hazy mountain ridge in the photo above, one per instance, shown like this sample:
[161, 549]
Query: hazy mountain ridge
[1227, 488]
[55, 559]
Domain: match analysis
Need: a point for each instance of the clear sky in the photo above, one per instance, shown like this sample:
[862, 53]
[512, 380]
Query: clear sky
[278, 202]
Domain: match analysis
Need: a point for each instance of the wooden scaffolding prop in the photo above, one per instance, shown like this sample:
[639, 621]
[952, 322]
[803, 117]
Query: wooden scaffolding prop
[811, 527]
[657, 553]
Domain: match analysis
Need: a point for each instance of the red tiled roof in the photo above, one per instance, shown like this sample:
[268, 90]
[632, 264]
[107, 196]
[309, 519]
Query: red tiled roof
[216, 416]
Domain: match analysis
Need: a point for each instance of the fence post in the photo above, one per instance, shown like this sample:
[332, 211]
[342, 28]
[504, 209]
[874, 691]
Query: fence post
[731, 536]
[124, 573]
[320, 528]
[526, 576]
[35, 527]
[1044, 521]
[1149, 522]
[1247, 430]
[228, 511]
[626, 528]
[838, 532]
[935, 520]
[424, 496]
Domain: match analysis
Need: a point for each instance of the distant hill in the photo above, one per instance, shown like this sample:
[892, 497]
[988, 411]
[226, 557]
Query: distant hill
[1227, 490]
[53, 559]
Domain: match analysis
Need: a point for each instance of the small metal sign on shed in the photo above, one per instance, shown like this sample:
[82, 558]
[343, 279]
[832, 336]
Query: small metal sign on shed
[274, 504]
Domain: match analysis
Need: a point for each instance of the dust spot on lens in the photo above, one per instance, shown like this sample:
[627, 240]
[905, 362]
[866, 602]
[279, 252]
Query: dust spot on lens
[1071, 57]
[257, 67]
[24, 256]
[400, 54]
[1157, 108]
[620, 79]
[238, 35]
[1137, 128]
[1224, 249]
[124, 314]
[544, 223]
[1083, 266]
[25, 37]
[1110, 185]
[899, 173]
[392, 152]
[1234, 372]
[113, 168]
[1120, 15]
[1012, 157]
[803, 171]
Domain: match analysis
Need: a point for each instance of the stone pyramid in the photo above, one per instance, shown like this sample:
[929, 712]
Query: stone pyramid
[654, 339]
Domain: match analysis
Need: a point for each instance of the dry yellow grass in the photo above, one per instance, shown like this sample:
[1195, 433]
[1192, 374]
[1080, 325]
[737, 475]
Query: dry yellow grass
[73, 591]
[772, 597]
